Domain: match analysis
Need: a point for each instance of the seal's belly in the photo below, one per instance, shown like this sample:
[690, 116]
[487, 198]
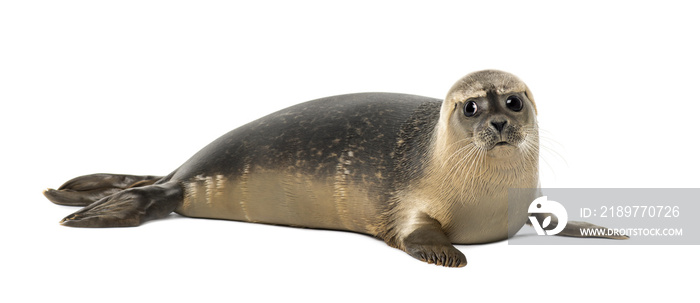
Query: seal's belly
[281, 197]
[489, 218]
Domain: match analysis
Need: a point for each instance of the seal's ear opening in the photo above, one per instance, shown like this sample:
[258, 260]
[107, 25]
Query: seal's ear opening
[528, 93]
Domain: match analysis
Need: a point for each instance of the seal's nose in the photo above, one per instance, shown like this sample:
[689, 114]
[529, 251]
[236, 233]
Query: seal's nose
[499, 125]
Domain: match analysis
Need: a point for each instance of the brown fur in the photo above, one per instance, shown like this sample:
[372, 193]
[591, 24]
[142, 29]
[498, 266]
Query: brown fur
[461, 175]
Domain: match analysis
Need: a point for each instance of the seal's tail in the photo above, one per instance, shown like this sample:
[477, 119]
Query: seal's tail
[85, 190]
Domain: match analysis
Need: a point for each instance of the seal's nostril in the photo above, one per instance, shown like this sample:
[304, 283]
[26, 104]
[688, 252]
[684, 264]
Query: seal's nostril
[499, 125]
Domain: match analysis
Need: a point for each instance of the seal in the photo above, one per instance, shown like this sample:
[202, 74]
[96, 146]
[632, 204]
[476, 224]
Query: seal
[419, 173]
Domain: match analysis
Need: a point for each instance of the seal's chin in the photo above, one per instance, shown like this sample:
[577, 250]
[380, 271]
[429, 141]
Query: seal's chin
[501, 149]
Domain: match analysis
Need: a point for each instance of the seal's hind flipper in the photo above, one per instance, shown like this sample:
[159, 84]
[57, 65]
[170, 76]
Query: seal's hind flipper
[84, 190]
[129, 207]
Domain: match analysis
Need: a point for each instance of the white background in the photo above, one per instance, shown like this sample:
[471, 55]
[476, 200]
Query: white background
[137, 87]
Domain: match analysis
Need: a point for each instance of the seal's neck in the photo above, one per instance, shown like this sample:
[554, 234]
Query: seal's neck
[459, 170]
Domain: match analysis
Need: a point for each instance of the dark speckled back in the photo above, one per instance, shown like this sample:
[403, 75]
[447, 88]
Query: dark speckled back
[316, 136]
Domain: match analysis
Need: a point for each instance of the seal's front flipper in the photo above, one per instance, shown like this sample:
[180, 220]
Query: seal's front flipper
[129, 207]
[84, 190]
[580, 229]
[588, 230]
[428, 243]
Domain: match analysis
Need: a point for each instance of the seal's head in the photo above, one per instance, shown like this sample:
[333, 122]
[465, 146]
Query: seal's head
[491, 114]
[485, 142]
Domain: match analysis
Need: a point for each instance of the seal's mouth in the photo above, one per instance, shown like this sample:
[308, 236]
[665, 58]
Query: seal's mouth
[501, 146]
[502, 150]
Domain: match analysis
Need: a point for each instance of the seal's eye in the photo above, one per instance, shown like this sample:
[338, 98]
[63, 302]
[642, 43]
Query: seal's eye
[514, 103]
[470, 108]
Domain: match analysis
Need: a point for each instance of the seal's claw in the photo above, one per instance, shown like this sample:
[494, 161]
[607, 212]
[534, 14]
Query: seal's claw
[447, 256]
[66, 219]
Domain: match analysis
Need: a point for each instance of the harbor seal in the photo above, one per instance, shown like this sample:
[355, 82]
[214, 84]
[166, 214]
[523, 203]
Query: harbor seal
[419, 173]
